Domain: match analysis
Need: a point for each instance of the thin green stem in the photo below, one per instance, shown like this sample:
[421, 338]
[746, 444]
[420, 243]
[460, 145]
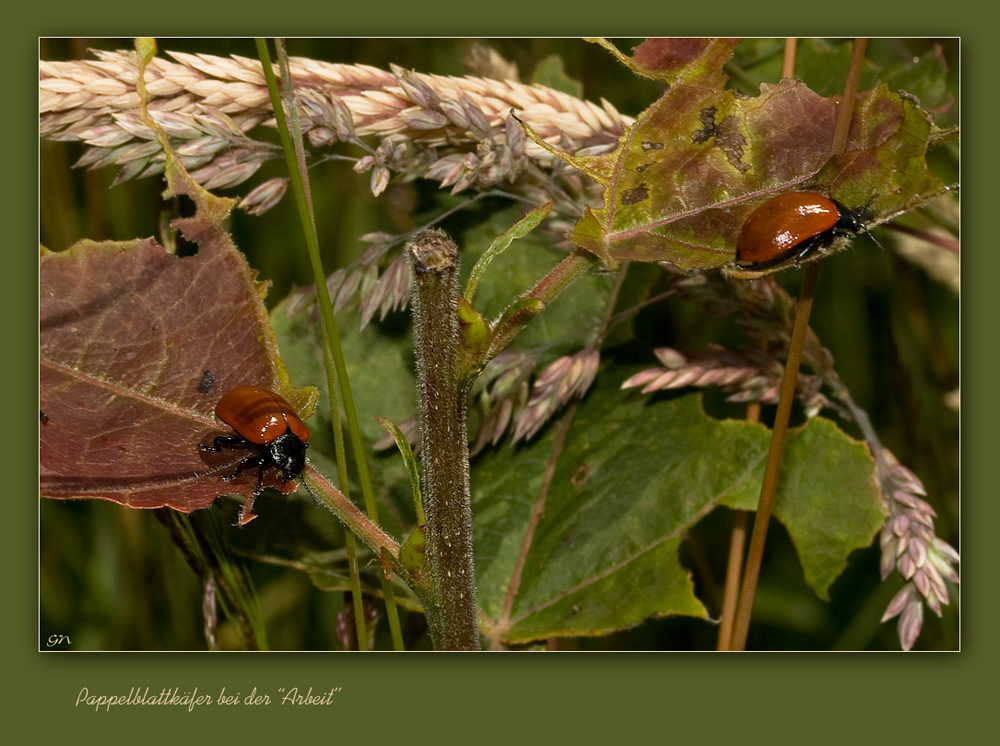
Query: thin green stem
[337, 379]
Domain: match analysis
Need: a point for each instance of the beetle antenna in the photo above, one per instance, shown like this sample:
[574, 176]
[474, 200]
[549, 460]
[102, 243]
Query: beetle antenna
[872, 237]
[863, 213]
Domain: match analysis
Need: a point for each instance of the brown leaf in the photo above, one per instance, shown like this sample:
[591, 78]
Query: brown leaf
[128, 333]
[136, 347]
[687, 61]
[667, 59]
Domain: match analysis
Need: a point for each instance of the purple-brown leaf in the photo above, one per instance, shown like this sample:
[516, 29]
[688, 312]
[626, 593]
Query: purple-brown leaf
[128, 333]
[136, 347]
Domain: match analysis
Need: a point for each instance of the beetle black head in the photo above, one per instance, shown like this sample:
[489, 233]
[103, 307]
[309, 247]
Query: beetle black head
[288, 453]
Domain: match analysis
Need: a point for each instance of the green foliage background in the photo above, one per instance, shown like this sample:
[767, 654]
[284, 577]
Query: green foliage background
[111, 578]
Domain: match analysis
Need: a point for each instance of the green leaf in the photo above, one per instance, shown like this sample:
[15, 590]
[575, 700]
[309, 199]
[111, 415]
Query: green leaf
[501, 243]
[827, 498]
[551, 72]
[414, 550]
[569, 323]
[631, 479]
[408, 459]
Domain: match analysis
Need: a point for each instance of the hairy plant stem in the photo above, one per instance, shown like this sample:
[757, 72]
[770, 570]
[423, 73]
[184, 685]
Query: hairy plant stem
[451, 605]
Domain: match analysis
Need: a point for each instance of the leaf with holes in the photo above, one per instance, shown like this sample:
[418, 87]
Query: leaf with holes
[685, 177]
[136, 347]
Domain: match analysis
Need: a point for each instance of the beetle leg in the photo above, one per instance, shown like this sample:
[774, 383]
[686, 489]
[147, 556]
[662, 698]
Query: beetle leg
[247, 463]
[224, 441]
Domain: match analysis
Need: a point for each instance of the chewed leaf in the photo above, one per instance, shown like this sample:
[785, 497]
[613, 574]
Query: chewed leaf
[688, 173]
[136, 347]
[618, 496]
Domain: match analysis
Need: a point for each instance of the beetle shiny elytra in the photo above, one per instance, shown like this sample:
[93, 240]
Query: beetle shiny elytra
[791, 227]
[266, 425]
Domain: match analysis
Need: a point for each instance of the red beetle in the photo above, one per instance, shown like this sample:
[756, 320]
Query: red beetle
[267, 425]
[791, 227]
